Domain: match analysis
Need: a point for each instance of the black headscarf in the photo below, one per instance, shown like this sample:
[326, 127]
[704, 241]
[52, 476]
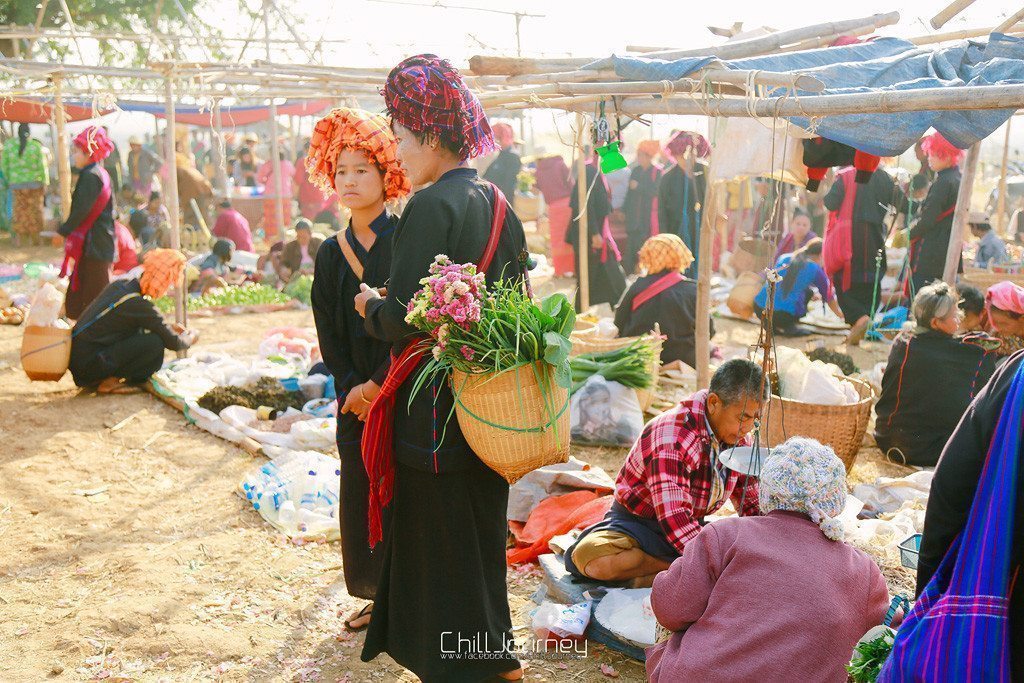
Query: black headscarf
[23, 137]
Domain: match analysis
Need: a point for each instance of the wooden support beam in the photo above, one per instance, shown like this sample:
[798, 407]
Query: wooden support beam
[962, 34]
[171, 193]
[1001, 203]
[583, 244]
[1010, 22]
[275, 147]
[702, 333]
[949, 11]
[63, 151]
[955, 248]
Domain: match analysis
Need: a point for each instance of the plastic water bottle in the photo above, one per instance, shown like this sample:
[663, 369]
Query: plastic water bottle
[287, 516]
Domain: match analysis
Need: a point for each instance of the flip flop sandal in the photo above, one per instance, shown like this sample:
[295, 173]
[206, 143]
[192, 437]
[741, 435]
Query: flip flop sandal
[362, 613]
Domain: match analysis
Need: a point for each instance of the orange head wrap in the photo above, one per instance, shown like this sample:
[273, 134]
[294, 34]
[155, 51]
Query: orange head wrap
[665, 253]
[161, 268]
[360, 130]
[651, 148]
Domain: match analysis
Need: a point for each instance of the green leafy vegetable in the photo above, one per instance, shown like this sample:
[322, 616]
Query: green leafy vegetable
[629, 366]
[246, 295]
[300, 288]
[869, 657]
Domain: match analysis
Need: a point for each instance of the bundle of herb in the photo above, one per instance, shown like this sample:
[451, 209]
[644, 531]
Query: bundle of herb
[630, 366]
[869, 657]
[843, 361]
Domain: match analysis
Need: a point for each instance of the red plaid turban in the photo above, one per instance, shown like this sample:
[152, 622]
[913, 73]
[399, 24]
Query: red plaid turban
[427, 95]
[684, 140]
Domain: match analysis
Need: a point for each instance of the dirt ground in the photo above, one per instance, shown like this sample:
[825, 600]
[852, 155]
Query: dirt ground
[125, 553]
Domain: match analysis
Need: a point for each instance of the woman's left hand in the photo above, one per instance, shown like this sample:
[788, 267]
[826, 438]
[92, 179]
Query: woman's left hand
[366, 293]
[367, 392]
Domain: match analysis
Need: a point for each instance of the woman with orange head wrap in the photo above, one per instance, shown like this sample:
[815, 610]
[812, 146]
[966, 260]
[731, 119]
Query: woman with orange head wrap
[641, 205]
[663, 296]
[352, 156]
[119, 340]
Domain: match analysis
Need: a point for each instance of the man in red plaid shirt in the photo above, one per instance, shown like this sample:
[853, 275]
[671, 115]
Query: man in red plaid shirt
[672, 479]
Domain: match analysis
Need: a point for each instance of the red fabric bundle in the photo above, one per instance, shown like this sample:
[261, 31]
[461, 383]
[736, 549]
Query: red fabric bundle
[865, 164]
[552, 517]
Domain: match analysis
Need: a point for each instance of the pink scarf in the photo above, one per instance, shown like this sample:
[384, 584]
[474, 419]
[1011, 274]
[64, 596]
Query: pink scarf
[838, 248]
[74, 244]
[1005, 296]
[606, 230]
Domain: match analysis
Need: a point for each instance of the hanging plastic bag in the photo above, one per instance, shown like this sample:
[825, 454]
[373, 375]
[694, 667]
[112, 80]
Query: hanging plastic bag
[554, 620]
[45, 307]
[605, 413]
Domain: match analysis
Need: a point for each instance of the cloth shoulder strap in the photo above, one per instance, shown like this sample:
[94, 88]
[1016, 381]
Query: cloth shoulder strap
[350, 256]
[497, 223]
[945, 214]
[108, 309]
[652, 290]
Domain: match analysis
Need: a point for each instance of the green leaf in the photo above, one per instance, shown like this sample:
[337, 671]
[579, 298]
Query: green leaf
[556, 348]
[563, 375]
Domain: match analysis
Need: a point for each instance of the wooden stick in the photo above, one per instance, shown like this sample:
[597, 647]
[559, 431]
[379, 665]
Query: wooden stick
[962, 34]
[171, 192]
[39, 22]
[951, 10]
[702, 338]
[220, 163]
[772, 42]
[583, 234]
[954, 250]
[1001, 204]
[63, 154]
[1010, 22]
[275, 151]
[925, 99]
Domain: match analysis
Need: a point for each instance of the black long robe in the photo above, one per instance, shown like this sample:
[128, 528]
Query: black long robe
[444, 551]
[953, 490]
[930, 235]
[353, 357]
[680, 195]
[638, 207]
[674, 310]
[606, 279]
[868, 233]
[504, 172]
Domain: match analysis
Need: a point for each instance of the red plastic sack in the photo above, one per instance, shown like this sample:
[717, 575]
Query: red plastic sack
[555, 516]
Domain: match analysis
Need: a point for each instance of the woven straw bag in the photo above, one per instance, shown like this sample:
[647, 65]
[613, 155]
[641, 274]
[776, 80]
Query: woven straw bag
[511, 423]
[841, 427]
[983, 278]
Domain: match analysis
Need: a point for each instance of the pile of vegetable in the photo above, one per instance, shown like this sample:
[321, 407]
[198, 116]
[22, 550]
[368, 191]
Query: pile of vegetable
[843, 361]
[300, 288]
[630, 366]
[869, 657]
[249, 294]
[266, 392]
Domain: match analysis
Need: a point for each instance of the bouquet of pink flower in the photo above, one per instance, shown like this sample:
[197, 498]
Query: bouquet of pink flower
[498, 336]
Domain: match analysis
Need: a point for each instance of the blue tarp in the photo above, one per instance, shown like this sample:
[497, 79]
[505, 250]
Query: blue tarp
[884, 64]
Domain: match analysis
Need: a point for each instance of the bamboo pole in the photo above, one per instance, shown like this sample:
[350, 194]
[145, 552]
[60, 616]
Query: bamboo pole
[220, 162]
[583, 234]
[951, 10]
[962, 34]
[925, 99]
[171, 193]
[275, 145]
[954, 250]
[1010, 22]
[702, 338]
[63, 153]
[774, 41]
[1001, 204]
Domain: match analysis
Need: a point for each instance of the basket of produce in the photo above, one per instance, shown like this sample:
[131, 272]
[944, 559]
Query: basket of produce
[983, 278]
[634, 362]
[507, 358]
[840, 426]
[741, 297]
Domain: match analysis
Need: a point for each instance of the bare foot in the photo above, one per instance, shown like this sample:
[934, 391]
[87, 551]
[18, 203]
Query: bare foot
[115, 385]
[858, 331]
[514, 675]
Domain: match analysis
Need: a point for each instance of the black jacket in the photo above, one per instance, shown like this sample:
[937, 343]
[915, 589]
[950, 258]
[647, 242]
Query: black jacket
[99, 241]
[504, 172]
[931, 232]
[674, 310]
[452, 217]
[126, 319]
[910, 414]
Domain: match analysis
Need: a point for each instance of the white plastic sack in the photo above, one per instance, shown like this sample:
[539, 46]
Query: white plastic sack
[627, 613]
[317, 434]
[605, 413]
[745, 148]
[792, 369]
[554, 480]
[297, 493]
[554, 620]
[822, 387]
[45, 307]
[888, 494]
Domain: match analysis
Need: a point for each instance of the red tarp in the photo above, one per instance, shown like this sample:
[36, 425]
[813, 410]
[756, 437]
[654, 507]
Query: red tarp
[555, 516]
[243, 116]
[39, 111]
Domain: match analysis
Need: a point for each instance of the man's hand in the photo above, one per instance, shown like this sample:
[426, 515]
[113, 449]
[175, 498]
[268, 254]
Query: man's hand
[596, 242]
[366, 293]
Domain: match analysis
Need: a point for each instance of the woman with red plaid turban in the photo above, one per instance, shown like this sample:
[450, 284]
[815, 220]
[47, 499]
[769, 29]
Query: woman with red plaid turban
[89, 230]
[441, 607]
[352, 155]
[681, 191]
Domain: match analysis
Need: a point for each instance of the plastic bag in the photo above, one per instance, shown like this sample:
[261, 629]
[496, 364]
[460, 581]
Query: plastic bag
[554, 620]
[605, 413]
[317, 434]
[822, 387]
[46, 305]
[627, 613]
[297, 493]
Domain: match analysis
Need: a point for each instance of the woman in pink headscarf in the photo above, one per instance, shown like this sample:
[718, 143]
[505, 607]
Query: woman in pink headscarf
[1004, 303]
[504, 170]
[89, 250]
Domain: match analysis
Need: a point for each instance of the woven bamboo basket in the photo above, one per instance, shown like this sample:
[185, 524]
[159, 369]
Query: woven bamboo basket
[509, 422]
[841, 427]
[582, 344]
[982, 278]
